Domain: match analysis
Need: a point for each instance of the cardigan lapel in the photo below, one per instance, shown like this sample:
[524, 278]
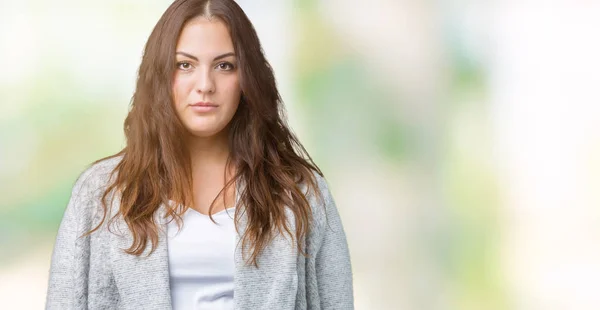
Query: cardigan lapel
[142, 281]
[274, 285]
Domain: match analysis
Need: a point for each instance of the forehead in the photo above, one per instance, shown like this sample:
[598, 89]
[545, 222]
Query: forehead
[203, 37]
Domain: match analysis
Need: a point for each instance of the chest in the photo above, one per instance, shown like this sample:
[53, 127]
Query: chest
[201, 261]
[214, 193]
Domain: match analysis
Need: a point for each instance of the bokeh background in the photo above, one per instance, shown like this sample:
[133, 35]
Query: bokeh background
[461, 139]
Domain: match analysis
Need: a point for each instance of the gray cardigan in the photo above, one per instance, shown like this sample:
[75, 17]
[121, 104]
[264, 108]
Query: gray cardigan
[94, 272]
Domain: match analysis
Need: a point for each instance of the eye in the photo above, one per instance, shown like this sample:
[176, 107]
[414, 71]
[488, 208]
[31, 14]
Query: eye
[225, 66]
[184, 65]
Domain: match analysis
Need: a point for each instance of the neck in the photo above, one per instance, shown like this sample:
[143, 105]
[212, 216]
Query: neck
[209, 166]
[208, 152]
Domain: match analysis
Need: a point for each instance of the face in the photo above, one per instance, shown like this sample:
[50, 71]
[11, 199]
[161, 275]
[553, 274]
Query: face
[206, 86]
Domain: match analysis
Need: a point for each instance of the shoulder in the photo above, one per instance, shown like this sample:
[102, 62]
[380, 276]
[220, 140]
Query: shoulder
[321, 199]
[327, 235]
[85, 201]
[95, 177]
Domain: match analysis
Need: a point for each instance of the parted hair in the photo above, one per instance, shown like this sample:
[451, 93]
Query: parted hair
[268, 158]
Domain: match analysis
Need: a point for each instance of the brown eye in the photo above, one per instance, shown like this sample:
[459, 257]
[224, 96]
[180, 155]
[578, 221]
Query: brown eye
[225, 66]
[184, 65]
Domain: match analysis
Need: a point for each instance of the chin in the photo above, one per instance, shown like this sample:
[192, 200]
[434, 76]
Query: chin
[203, 132]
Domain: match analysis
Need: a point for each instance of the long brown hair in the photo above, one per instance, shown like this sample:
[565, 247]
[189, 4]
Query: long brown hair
[268, 158]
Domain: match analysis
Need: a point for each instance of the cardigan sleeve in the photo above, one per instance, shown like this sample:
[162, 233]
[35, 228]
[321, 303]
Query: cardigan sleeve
[68, 276]
[332, 266]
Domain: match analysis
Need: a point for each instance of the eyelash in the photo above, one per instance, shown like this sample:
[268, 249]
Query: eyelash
[230, 65]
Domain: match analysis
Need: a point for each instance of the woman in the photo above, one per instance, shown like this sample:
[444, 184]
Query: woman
[213, 203]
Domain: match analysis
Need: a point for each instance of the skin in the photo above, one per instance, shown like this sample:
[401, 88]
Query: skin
[206, 71]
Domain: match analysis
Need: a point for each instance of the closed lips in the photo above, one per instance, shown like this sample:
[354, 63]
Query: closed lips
[204, 104]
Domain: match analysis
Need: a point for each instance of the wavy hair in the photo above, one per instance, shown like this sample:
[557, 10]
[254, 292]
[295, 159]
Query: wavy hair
[268, 158]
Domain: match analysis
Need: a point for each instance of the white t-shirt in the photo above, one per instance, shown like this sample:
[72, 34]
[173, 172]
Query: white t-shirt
[201, 263]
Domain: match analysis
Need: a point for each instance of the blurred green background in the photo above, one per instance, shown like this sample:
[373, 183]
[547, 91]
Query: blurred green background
[460, 138]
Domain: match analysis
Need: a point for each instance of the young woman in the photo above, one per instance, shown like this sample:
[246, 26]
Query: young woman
[213, 203]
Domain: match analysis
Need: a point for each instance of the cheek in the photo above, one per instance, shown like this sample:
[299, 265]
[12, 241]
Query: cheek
[232, 89]
[180, 90]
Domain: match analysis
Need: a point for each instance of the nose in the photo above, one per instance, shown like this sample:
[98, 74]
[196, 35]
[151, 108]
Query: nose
[204, 81]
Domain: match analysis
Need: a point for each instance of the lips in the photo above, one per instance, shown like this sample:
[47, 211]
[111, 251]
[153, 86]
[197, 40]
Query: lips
[204, 104]
[203, 107]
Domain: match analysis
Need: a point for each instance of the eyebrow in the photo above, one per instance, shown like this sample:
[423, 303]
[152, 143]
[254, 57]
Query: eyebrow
[196, 58]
